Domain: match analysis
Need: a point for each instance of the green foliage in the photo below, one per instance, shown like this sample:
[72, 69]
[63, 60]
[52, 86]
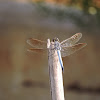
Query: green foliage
[62, 13]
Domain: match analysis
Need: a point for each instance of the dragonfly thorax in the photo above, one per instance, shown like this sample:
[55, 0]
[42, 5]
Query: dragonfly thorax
[57, 45]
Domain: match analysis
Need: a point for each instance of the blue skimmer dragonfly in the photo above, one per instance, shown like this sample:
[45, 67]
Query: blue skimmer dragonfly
[64, 48]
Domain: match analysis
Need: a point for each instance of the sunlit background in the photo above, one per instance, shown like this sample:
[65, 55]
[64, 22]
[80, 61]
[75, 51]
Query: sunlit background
[24, 75]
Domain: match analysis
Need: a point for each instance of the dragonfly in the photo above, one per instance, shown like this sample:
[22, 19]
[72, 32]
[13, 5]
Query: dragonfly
[64, 48]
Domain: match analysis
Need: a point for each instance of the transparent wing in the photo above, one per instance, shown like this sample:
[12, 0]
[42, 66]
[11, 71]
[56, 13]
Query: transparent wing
[66, 51]
[37, 50]
[72, 40]
[37, 43]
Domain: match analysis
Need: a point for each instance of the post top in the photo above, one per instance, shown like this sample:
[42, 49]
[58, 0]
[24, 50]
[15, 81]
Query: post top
[48, 43]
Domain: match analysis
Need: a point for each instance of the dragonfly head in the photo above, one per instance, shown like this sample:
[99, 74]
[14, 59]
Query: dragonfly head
[55, 39]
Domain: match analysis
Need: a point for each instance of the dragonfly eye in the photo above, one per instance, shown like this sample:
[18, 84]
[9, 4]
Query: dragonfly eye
[55, 39]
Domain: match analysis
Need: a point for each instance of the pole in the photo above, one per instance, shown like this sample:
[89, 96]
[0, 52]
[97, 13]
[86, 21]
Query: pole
[55, 73]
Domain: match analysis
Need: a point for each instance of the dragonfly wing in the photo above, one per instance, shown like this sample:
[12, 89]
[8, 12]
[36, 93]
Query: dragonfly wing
[66, 51]
[37, 43]
[37, 50]
[72, 40]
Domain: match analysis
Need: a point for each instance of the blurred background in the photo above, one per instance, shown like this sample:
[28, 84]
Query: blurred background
[24, 75]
